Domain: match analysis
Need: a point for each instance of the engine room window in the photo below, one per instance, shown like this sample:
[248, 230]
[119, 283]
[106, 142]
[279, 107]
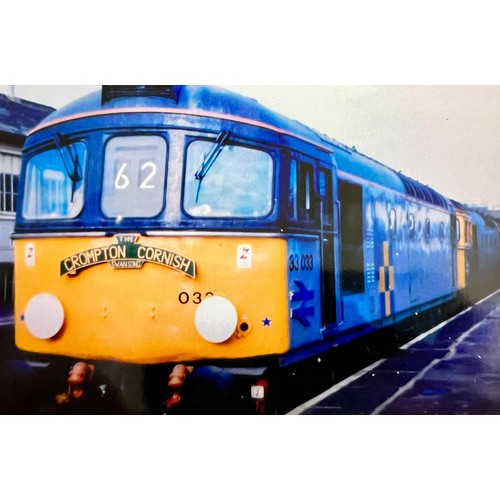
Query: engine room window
[54, 183]
[225, 180]
[134, 176]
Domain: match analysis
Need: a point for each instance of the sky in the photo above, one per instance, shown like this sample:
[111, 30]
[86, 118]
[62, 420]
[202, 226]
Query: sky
[445, 136]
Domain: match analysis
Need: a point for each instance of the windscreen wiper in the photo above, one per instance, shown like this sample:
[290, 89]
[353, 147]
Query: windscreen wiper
[210, 158]
[73, 172]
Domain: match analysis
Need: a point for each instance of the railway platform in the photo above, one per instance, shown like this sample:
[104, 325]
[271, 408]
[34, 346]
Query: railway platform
[453, 369]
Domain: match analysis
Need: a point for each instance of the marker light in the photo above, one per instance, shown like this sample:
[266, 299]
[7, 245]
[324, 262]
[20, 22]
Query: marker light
[44, 316]
[216, 319]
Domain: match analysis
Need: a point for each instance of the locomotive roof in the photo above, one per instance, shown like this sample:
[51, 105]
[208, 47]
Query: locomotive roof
[216, 101]
[192, 98]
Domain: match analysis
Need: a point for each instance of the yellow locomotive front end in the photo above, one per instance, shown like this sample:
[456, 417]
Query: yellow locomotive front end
[161, 299]
[142, 240]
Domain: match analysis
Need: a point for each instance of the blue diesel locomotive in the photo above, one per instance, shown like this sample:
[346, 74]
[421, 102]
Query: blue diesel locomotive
[191, 227]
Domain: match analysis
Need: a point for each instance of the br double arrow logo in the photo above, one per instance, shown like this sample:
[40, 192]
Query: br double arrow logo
[303, 311]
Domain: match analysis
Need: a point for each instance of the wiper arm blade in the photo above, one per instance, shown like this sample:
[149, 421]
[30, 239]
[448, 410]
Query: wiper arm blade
[210, 158]
[74, 174]
[60, 149]
[75, 177]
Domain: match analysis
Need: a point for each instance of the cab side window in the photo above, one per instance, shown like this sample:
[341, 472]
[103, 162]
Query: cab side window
[326, 196]
[301, 192]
